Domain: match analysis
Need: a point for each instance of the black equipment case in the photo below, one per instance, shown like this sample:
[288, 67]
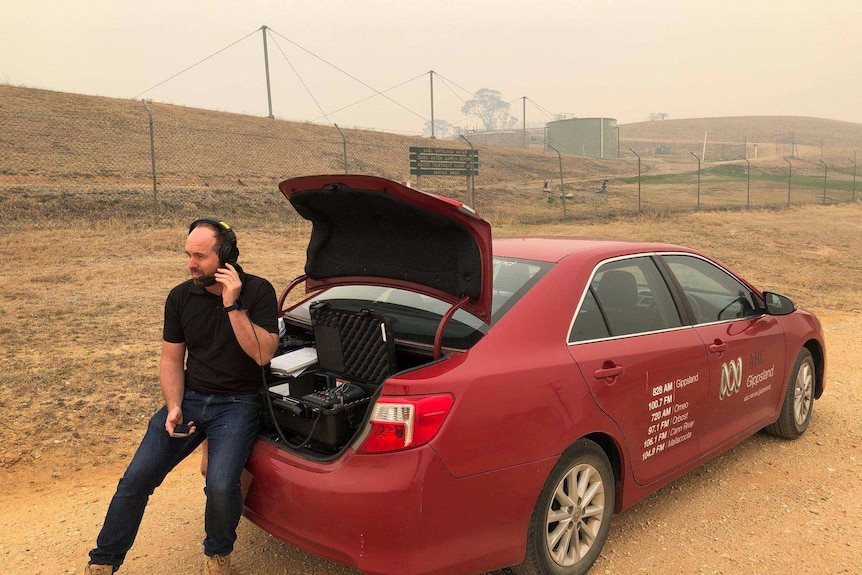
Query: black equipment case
[355, 353]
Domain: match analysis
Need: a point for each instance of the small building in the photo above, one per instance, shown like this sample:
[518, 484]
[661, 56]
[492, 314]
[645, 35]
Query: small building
[532, 138]
[590, 137]
[503, 138]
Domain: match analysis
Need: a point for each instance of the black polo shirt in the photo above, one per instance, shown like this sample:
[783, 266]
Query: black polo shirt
[215, 362]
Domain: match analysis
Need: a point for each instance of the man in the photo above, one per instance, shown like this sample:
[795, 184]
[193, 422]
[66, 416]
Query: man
[220, 328]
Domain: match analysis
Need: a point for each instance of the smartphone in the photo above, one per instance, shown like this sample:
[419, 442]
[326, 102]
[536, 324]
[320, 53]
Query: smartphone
[181, 430]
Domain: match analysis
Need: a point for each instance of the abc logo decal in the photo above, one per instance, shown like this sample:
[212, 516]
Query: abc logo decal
[731, 378]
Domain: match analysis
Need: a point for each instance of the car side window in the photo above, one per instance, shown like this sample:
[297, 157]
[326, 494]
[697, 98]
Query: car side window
[712, 293]
[631, 296]
[590, 324]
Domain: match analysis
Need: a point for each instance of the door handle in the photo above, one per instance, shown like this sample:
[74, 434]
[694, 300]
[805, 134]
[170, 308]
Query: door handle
[610, 372]
[718, 347]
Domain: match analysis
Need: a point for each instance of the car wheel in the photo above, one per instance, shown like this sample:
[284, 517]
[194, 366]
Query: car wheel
[798, 399]
[572, 517]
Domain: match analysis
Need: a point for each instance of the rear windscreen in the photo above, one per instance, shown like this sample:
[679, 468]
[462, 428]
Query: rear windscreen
[414, 317]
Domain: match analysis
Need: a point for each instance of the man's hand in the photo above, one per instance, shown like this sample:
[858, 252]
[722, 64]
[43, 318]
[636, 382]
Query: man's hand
[175, 417]
[228, 277]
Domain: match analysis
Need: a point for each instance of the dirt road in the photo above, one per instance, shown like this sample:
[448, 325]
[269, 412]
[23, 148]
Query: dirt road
[767, 506]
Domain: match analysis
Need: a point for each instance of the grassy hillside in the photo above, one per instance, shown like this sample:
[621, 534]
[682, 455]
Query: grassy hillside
[82, 329]
[774, 137]
[67, 156]
[766, 129]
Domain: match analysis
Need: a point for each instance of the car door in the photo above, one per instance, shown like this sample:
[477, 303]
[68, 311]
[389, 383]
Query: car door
[745, 348]
[644, 369]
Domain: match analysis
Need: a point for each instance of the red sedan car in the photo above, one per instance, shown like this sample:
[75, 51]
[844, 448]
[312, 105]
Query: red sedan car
[439, 409]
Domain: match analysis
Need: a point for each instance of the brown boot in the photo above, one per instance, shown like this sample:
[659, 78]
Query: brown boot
[216, 565]
[99, 570]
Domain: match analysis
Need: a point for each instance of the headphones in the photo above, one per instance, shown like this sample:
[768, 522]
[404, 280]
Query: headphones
[228, 250]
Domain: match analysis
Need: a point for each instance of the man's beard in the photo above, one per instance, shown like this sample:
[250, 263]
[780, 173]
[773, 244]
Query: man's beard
[204, 281]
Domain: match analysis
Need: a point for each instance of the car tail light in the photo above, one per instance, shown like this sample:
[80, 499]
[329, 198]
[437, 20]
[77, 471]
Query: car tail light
[404, 423]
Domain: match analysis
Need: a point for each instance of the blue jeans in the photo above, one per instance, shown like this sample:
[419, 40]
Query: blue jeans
[230, 423]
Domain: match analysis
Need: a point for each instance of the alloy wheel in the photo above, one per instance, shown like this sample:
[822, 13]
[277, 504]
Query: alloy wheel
[575, 514]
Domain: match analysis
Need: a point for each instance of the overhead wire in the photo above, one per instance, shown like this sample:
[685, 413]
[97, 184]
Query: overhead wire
[301, 81]
[135, 97]
[374, 96]
[351, 76]
[541, 109]
[446, 81]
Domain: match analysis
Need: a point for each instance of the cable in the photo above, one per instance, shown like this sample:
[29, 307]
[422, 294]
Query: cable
[445, 79]
[268, 399]
[301, 81]
[464, 119]
[310, 433]
[373, 96]
[266, 395]
[348, 74]
[541, 109]
[445, 83]
[195, 64]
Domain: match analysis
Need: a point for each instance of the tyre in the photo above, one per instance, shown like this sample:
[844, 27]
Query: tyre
[798, 399]
[572, 517]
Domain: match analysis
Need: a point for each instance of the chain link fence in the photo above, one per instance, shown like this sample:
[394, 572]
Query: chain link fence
[68, 155]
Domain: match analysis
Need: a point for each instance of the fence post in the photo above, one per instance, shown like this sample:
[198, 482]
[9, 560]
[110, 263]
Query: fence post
[698, 172]
[854, 175]
[748, 193]
[562, 186]
[343, 147]
[825, 174]
[471, 183]
[153, 161]
[639, 179]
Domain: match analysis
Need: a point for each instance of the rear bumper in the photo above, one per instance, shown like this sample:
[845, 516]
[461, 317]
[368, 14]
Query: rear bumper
[396, 513]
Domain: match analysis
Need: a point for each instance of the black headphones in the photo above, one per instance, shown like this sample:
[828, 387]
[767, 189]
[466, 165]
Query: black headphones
[228, 251]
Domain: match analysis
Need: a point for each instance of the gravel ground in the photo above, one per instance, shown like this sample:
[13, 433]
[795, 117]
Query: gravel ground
[766, 506]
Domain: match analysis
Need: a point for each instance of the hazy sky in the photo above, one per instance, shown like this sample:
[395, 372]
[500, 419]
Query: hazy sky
[622, 59]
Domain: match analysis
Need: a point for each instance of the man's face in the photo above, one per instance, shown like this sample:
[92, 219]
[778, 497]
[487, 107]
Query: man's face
[201, 253]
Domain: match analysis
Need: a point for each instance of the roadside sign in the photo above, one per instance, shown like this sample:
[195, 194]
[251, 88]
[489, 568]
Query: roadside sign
[443, 162]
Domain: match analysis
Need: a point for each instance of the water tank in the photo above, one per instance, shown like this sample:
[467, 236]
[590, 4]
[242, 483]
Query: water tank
[591, 137]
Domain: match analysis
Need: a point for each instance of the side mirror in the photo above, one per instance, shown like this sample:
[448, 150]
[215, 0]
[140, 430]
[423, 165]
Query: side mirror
[778, 304]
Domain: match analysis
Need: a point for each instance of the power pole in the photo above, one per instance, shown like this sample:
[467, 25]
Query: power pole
[266, 67]
[431, 73]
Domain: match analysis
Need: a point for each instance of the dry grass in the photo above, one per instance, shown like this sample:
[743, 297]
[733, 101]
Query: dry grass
[763, 130]
[812, 253]
[82, 304]
[82, 308]
[64, 154]
[86, 265]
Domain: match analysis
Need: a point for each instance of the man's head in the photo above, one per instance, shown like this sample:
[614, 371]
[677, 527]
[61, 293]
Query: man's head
[210, 244]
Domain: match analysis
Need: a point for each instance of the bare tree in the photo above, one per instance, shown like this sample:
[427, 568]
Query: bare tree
[488, 106]
[442, 129]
